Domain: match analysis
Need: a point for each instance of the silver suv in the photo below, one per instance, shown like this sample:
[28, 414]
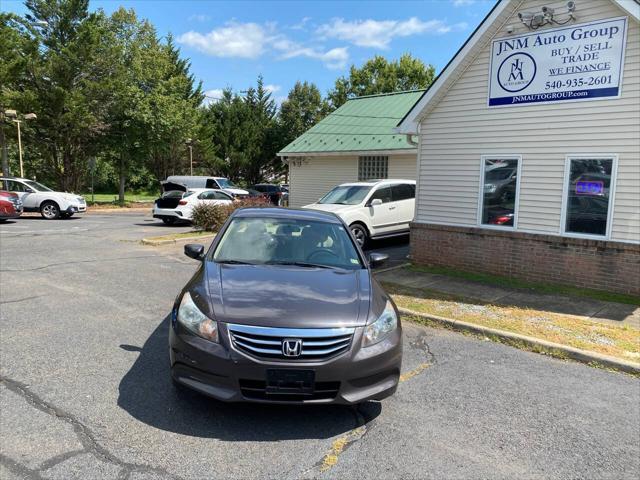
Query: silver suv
[36, 197]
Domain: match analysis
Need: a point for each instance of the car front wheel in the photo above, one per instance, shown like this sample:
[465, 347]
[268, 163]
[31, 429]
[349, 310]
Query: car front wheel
[359, 232]
[49, 211]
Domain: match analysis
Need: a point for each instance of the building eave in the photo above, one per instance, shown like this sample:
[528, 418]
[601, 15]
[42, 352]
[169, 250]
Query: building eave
[337, 153]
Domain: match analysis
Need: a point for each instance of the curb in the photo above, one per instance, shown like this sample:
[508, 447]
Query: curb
[155, 243]
[388, 269]
[576, 354]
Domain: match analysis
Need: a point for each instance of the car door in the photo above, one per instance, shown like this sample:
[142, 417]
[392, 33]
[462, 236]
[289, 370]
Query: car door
[404, 199]
[383, 215]
[26, 194]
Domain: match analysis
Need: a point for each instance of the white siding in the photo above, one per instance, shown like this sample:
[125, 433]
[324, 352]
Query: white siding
[317, 175]
[460, 128]
[403, 167]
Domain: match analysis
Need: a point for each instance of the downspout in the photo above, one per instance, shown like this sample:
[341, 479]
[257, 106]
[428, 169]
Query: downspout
[411, 141]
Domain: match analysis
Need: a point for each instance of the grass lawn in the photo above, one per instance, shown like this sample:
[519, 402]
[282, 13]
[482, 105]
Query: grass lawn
[617, 341]
[129, 197]
[558, 289]
[178, 236]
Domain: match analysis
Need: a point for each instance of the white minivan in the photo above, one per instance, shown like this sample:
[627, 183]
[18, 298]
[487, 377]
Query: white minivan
[373, 209]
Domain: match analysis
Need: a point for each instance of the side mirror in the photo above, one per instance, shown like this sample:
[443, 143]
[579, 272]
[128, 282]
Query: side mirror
[377, 259]
[194, 250]
[374, 202]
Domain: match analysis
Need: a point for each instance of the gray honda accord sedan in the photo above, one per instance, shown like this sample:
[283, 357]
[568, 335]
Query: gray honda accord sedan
[284, 309]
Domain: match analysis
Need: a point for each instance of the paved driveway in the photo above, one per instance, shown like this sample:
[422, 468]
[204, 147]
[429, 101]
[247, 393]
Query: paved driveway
[85, 391]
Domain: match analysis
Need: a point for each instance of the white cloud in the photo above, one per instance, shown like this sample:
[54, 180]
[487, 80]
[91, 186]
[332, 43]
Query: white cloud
[243, 40]
[336, 58]
[301, 25]
[199, 18]
[251, 40]
[212, 96]
[379, 33]
[463, 3]
[272, 88]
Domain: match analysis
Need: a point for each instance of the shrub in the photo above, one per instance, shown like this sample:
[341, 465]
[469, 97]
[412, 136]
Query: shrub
[211, 217]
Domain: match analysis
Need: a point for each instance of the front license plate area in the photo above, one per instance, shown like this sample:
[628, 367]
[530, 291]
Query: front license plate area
[287, 382]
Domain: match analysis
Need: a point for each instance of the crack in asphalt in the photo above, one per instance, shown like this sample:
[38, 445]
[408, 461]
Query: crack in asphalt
[365, 423]
[83, 433]
[93, 260]
[21, 299]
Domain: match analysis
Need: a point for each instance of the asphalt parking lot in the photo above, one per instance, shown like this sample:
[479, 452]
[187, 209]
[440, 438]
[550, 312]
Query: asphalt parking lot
[85, 390]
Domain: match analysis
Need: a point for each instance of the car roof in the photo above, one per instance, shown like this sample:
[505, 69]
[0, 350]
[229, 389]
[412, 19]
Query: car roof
[292, 213]
[14, 178]
[371, 183]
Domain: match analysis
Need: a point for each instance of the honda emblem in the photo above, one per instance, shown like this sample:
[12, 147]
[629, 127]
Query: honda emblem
[291, 347]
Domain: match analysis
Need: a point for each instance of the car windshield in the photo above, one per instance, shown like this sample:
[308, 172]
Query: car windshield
[285, 241]
[38, 187]
[346, 195]
[225, 183]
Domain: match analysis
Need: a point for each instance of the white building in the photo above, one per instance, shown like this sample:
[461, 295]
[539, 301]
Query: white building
[355, 142]
[529, 147]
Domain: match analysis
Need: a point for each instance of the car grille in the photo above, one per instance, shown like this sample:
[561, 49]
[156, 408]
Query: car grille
[257, 390]
[317, 343]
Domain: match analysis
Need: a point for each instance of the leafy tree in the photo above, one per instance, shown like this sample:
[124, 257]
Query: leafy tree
[303, 108]
[378, 75]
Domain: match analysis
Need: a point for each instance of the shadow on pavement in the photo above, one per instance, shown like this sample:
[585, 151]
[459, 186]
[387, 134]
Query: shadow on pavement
[147, 394]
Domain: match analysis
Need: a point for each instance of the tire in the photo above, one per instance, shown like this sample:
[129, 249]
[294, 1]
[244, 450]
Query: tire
[360, 234]
[50, 211]
[169, 220]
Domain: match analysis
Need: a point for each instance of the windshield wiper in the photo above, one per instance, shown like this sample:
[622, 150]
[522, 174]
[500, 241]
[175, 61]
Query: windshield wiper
[300, 264]
[234, 262]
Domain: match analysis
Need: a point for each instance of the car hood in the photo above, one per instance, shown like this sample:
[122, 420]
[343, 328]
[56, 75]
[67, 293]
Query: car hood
[331, 207]
[235, 191]
[292, 297]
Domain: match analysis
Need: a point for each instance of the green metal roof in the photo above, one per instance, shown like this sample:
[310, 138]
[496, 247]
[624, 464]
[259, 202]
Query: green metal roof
[362, 123]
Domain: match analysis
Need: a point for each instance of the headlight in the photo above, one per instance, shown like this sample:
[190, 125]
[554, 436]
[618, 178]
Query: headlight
[193, 319]
[378, 330]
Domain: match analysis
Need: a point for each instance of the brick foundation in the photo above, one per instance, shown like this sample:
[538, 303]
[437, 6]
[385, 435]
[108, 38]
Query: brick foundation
[595, 264]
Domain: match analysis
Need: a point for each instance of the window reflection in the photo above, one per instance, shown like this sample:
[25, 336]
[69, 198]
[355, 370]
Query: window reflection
[588, 196]
[499, 192]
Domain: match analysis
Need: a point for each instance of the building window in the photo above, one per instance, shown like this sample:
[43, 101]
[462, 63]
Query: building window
[589, 183]
[499, 188]
[373, 167]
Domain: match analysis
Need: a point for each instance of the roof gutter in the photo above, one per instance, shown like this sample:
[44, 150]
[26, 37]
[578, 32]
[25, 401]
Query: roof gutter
[411, 141]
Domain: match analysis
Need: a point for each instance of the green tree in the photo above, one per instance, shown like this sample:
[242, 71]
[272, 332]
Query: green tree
[303, 108]
[378, 75]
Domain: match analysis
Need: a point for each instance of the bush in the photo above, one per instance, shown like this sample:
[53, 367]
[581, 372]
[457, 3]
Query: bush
[211, 217]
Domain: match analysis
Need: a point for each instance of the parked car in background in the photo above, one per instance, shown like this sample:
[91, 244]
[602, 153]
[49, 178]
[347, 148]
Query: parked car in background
[256, 194]
[272, 191]
[10, 205]
[175, 206]
[201, 181]
[35, 197]
[373, 209]
[285, 309]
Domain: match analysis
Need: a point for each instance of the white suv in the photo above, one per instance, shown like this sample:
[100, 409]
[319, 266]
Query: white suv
[373, 209]
[36, 197]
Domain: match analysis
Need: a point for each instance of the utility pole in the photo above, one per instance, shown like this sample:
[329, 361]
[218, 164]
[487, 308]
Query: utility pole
[189, 143]
[18, 122]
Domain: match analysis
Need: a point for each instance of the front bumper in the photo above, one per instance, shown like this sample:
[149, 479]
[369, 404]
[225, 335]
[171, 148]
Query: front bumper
[79, 208]
[222, 372]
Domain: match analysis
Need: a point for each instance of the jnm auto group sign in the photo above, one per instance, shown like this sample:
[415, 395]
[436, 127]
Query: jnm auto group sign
[581, 62]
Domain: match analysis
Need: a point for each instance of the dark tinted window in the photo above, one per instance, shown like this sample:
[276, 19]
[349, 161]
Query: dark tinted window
[383, 194]
[588, 202]
[403, 191]
[16, 186]
[211, 183]
[499, 192]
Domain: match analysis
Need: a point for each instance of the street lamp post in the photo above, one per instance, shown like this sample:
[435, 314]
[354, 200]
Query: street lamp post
[13, 114]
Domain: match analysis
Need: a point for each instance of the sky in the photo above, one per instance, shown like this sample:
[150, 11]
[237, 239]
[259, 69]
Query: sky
[230, 43]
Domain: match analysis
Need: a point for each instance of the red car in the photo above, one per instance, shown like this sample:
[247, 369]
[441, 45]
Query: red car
[10, 205]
